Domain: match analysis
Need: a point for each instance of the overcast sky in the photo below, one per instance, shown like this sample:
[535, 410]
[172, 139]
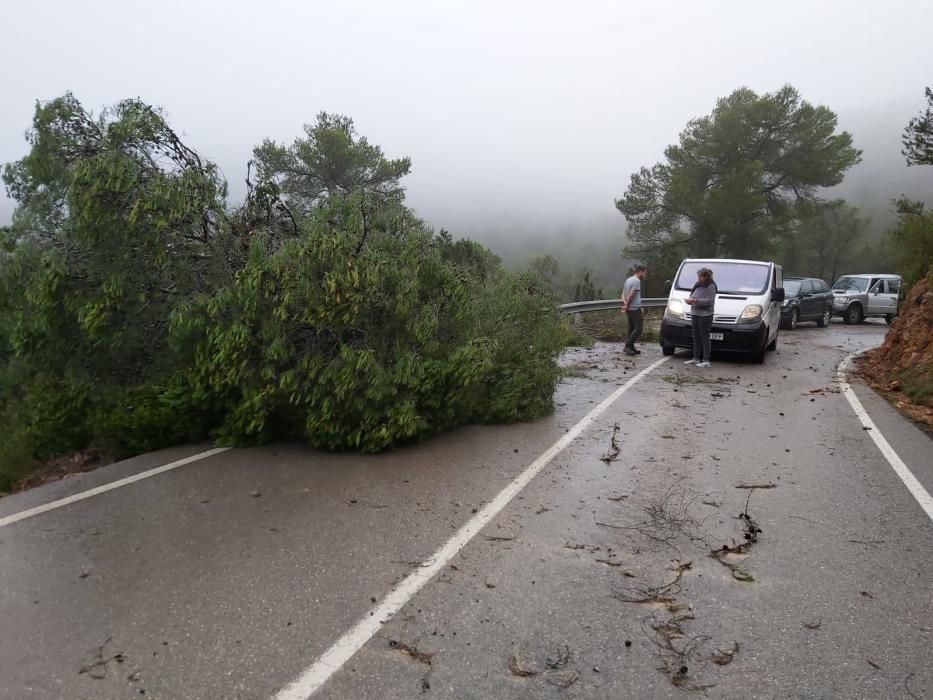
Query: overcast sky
[530, 113]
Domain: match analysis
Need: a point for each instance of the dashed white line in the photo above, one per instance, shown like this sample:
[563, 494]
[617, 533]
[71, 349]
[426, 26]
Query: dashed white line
[916, 489]
[318, 673]
[62, 502]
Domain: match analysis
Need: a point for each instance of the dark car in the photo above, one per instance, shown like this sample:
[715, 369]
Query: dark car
[806, 299]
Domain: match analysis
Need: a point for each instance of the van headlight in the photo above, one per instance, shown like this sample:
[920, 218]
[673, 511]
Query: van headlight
[752, 312]
[675, 309]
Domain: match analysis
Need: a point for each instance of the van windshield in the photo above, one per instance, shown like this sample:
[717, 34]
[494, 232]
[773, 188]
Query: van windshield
[730, 277]
[851, 284]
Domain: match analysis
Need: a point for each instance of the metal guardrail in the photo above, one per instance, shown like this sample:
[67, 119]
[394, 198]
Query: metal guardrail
[582, 307]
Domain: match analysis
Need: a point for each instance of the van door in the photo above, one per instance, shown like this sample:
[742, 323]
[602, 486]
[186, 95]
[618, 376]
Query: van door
[773, 310]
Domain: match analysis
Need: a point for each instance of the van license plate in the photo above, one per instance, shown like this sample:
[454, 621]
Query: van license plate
[715, 336]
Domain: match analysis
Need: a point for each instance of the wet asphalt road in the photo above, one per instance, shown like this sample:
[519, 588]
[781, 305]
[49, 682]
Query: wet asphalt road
[227, 577]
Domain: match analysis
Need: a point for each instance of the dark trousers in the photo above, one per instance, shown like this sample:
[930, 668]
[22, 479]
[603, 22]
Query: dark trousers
[635, 323]
[701, 343]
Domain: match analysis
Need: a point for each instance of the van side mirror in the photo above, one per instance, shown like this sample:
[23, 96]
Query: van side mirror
[667, 286]
[777, 294]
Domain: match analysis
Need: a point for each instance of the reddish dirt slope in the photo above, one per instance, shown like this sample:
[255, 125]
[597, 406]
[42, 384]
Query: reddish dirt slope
[902, 368]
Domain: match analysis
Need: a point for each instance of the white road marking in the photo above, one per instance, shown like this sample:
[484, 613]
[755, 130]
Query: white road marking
[916, 489]
[62, 502]
[316, 675]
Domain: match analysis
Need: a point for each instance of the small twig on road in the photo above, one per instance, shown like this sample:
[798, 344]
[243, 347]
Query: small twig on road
[614, 448]
[808, 520]
[97, 668]
[368, 504]
[756, 486]
[616, 527]
[907, 686]
[587, 547]
[411, 650]
[873, 664]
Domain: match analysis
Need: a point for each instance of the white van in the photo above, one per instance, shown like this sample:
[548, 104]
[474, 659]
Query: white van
[747, 315]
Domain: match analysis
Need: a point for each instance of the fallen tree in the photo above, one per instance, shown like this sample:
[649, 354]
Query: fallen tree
[138, 310]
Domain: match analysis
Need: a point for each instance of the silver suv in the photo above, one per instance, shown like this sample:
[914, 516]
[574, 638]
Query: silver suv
[857, 296]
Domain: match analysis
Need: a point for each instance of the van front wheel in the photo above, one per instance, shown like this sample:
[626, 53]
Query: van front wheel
[667, 350]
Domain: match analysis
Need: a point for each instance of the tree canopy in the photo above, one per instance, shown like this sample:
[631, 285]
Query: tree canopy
[734, 183]
[332, 160]
[918, 136]
[913, 235]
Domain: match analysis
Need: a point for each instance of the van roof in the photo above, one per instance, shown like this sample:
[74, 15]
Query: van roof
[727, 260]
[871, 274]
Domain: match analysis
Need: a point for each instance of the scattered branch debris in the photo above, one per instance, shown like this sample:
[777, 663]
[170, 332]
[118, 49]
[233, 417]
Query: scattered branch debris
[562, 679]
[560, 658]
[96, 668]
[643, 593]
[873, 664]
[368, 504]
[728, 556]
[519, 665]
[723, 657]
[822, 391]
[500, 538]
[412, 651]
[669, 517]
[769, 485]
[677, 649]
[614, 448]
[587, 547]
[907, 686]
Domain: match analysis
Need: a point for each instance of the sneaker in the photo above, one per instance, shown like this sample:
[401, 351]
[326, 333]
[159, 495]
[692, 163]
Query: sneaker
[636, 351]
[692, 362]
[703, 365]
[630, 353]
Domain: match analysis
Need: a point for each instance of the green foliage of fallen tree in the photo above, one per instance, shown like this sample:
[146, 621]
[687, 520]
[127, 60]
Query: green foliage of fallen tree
[137, 310]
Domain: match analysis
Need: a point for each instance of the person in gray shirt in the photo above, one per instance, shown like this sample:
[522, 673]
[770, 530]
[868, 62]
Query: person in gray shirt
[702, 299]
[631, 307]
